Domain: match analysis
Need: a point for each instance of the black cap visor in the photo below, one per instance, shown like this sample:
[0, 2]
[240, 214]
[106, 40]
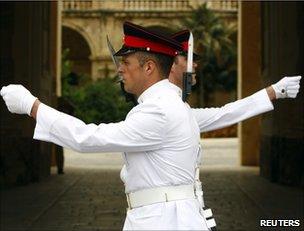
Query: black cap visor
[124, 50]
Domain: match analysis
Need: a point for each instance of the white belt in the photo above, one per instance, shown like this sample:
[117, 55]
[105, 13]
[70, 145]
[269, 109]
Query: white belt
[159, 194]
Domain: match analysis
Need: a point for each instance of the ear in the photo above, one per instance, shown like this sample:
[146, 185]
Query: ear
[149, 67]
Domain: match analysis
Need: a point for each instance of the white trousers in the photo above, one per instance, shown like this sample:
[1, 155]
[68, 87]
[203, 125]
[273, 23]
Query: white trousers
[173, 215]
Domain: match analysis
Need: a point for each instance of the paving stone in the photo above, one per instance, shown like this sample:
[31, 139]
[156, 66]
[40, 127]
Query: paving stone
[88, 199]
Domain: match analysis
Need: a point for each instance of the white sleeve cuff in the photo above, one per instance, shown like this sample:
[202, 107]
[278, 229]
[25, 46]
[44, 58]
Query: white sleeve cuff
[46, 116]
[262, 101]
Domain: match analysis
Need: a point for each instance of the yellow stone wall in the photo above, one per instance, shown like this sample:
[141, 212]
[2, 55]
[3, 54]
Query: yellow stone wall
[96, 19]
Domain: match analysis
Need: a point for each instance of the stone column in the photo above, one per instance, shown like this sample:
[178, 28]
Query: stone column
[56, 8]
[282, 134]
[28, 57]
[249, 77]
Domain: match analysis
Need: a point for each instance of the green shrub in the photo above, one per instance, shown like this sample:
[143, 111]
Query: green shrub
[99, 101]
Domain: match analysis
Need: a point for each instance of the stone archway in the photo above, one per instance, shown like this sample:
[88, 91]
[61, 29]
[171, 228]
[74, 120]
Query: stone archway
[79, 51]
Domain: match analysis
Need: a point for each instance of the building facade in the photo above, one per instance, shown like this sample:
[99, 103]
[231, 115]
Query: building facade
[87, 23]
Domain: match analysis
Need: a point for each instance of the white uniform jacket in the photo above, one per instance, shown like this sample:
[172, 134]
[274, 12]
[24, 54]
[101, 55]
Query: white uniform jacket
[160, 141]
[210, 119]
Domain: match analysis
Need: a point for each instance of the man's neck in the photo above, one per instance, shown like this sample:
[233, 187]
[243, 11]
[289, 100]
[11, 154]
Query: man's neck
[176, 83]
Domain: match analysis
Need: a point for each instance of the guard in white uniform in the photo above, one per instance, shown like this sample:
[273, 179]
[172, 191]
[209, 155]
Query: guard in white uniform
[159, 137]
[210, 119]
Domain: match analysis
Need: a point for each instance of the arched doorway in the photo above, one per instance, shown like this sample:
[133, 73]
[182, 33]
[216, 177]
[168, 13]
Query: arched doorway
[78, 51]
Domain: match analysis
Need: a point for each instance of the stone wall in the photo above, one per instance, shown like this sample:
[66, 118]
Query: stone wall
[27, 50]
[282, 131]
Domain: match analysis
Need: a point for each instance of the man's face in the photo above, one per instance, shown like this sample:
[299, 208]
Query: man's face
[178, 68]
[132, 74]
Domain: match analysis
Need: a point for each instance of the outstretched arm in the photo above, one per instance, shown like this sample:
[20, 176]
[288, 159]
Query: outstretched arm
[141, 131]
[215, 118]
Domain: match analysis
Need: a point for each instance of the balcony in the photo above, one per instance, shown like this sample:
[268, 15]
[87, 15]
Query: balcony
[147, 5]
[225, 5]
[77, 5]
[127, 5]
[156, 5]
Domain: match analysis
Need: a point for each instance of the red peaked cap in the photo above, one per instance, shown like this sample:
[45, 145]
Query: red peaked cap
[138, 38]
[183, 37]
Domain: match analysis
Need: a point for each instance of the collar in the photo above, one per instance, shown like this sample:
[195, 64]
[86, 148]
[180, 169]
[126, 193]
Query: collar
[176, 88]
[155, 89]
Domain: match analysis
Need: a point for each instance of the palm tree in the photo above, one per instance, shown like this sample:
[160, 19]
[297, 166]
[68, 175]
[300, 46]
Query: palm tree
[214, 42]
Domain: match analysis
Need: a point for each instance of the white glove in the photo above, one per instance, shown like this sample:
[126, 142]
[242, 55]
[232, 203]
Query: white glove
[288, 87]
[17, 99]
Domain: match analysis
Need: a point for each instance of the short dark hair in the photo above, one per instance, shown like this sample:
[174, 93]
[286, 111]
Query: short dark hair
[163, 62]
